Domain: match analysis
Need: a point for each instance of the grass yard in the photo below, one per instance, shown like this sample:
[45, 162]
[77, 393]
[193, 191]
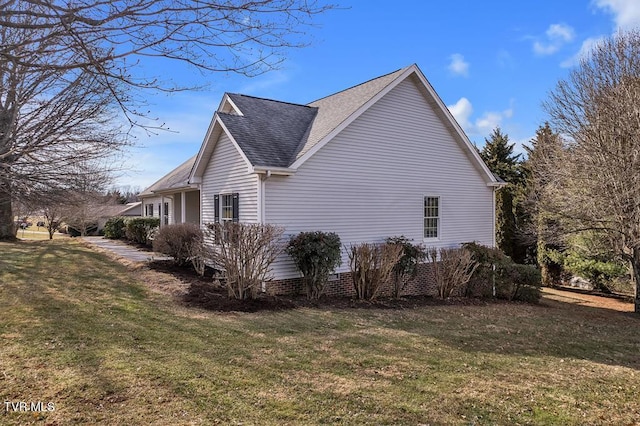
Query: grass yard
[80, 331]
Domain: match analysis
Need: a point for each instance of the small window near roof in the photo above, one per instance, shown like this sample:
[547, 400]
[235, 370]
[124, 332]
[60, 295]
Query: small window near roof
[431, 217]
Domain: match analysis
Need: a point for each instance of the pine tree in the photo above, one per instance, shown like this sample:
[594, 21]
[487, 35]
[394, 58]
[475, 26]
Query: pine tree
[498, 154]
[538, 190]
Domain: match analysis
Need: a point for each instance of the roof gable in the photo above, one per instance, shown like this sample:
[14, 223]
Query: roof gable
[272, 134]
[267, 131]
[175, 179]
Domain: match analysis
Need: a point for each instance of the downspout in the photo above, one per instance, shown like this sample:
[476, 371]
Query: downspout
[262, 189]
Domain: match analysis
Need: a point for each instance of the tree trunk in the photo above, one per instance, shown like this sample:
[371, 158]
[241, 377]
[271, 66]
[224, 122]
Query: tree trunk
[7, 225]
[635, 276]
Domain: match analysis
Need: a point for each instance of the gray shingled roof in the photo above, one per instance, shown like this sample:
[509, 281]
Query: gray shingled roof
[272, 133]
[177, 178]
[269, 132]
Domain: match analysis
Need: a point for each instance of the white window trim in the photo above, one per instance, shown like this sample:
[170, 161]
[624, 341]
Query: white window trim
[439, 217]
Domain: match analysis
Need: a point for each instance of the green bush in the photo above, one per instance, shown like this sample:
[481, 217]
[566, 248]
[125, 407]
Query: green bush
[137, 229]
[316, 255]
[512, 281]
[517, 282]
[599, 272]
[114, 228]
[178, 241]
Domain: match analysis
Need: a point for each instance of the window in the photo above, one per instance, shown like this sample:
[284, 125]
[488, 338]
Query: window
[431, 217]
[166, 213]
[148, 210]
[226, 209]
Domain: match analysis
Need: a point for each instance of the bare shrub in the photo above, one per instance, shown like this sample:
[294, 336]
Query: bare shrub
[245, 253]
[372, 266]
[452, 269]
[176, 240]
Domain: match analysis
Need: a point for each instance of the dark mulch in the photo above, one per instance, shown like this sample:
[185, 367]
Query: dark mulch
[206, 293]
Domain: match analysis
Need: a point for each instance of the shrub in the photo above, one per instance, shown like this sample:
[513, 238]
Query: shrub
[452, 269]
[517, 282]
[114, 228]
[407, 266]
[137, 229]
[177, 241]
[245, 253]
[599, 272]
[371, 266]
[511, 281]
[316, 255]
[482, 281]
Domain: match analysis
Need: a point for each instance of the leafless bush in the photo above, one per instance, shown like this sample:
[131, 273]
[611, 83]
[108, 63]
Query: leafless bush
[371, 266]
[245, 252]
[178, 241]
[452, 269]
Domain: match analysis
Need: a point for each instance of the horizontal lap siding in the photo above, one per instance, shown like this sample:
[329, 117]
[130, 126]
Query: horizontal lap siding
[369, 182]
[226, 173]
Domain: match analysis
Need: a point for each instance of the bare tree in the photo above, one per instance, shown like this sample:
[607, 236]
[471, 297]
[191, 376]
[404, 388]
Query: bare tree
[597, 175]
[66, 68]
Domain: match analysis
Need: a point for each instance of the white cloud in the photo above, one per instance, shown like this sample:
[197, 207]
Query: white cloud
[461, 111]
[555, 37]
[584, 51]
[482, 126]
[626, 13]
[458, 66]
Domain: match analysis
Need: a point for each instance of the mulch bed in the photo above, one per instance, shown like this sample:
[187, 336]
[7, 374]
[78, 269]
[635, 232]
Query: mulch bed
[206, 293]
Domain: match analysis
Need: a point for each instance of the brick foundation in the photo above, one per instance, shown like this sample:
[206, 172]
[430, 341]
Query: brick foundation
[342, 285]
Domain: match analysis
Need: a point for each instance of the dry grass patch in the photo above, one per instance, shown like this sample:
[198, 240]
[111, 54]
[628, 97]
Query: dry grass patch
[111, 344]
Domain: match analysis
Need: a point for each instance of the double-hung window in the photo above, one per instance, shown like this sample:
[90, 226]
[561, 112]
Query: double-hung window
[148, 209]
[431, 217]
[226, 209]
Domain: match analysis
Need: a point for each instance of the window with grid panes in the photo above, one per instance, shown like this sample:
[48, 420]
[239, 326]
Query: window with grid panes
[431, 217]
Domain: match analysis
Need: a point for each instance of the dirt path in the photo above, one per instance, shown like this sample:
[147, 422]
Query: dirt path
[587, 299]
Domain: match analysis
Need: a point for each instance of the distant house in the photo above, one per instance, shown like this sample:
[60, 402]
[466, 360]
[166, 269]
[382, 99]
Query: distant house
[106, 212]
[383, 158]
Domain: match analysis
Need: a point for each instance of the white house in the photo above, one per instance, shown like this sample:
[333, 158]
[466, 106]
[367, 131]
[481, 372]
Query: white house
[383, 158]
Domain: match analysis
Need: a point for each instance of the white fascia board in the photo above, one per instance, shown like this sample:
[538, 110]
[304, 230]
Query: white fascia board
[226, 99]
[352, 117]
[194, 175]
[282, 171]
[176, 189]
[452, 121]
[198, 168]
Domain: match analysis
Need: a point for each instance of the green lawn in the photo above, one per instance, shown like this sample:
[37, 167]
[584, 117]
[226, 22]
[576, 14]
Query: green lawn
[80, 331]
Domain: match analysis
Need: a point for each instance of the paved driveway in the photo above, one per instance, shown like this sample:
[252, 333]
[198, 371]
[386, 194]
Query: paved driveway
[124, 250]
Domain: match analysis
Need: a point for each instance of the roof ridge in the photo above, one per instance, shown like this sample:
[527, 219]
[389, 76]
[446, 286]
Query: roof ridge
[359, 84]
[269, 99]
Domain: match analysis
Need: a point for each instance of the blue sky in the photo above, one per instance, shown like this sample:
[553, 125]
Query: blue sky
[492, 63]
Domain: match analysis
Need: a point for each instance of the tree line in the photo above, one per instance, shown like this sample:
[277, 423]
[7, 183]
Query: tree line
[573, 204]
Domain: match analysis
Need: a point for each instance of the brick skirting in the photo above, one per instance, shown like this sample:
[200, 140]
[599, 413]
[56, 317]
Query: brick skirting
[342, 285]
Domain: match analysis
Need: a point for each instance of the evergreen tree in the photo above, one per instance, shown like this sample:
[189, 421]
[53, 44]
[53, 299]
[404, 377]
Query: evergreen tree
[538, 190]
[498, 154]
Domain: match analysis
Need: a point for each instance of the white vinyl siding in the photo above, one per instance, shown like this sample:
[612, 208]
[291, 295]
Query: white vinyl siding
[369, 182]
[227, 173]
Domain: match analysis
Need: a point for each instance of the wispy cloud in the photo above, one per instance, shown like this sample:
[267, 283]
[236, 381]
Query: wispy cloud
[626, 13]
[556, 36]
[583, 53]
[458, 66]
[462, 110]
